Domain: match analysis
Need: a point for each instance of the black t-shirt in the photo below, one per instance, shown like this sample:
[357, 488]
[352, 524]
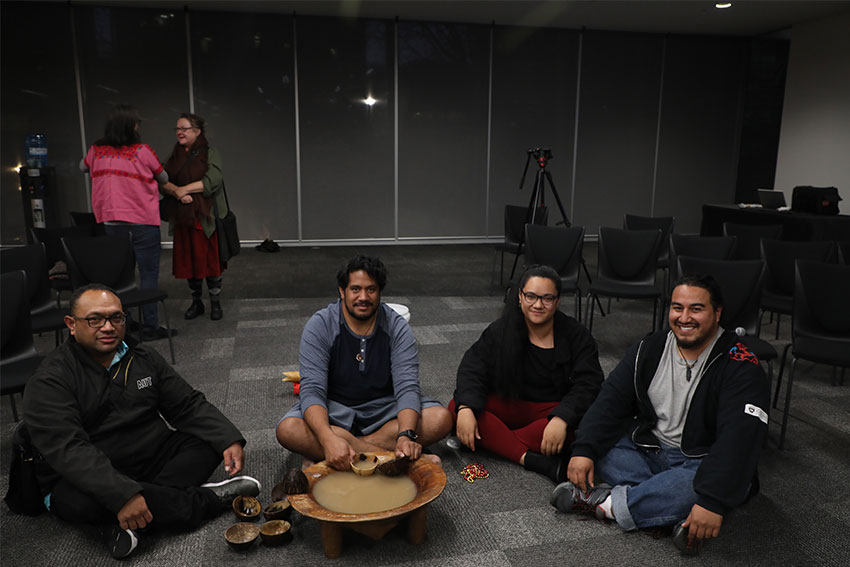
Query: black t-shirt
[540, 376]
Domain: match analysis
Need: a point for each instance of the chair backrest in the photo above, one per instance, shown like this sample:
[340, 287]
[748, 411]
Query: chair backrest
[779, 257]
[821, 299]
[557, 247]
[52, 240]
[515, 217]
[108, 260]
[749, 236]
[628, 255]
[741, 284]
[15, 330]
[664, 224]
[712, 247]
[30, 259]
[843, 251]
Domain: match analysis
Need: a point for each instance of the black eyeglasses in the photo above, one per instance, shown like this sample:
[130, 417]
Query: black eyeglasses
[531, 298]
[181, 129]
[98, 321]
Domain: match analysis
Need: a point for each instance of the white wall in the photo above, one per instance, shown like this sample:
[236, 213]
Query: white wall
[814, 143]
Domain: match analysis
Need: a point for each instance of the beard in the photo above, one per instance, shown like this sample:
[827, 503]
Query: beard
[362, 316]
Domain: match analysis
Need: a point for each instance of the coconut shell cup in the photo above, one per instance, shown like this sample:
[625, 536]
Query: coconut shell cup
[241, 536]
[280, 510]
[276, 532]
[246, 508]
[364, 464]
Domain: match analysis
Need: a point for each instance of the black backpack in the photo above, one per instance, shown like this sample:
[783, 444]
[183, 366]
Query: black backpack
[24, 494]
[817, 200]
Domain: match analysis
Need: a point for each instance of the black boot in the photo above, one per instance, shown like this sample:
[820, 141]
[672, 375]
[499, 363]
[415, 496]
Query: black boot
[197, 308]
[215, 310]
[552, 466]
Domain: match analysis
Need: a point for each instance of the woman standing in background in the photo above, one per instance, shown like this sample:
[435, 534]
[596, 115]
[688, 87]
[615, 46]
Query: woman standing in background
[125, 175]
[197, 183]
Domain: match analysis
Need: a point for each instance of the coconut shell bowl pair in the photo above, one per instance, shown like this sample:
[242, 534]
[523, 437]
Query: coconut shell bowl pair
[428, 477]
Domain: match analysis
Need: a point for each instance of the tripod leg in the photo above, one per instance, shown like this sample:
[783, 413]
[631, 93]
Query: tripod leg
[529, 217]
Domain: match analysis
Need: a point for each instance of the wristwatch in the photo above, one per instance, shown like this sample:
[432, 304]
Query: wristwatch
[409, 433]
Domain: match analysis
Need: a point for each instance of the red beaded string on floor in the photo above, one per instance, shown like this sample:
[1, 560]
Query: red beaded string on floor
[472, 471]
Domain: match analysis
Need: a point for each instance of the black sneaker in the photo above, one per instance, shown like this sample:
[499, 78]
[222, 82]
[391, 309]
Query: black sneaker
[149, 334]
[122, 542]
[569, 498]
[680, 540]
[229, 489]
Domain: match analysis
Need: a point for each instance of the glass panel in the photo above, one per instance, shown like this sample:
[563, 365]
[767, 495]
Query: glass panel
[534, 93]
[133, 56]
[39, 96]
[346, 143]
[443, 90]
[698, 145]
[618, 121]
[242, 66]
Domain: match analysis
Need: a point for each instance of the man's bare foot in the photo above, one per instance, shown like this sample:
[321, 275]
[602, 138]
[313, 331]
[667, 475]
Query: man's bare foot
[431, 458]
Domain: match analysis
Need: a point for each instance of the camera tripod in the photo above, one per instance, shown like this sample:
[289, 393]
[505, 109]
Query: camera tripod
[538, 199]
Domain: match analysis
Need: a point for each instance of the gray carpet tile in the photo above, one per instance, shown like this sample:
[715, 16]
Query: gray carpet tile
[800, 517]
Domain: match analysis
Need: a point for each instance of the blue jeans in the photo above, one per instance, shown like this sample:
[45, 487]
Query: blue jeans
[651, 487]
[146, 243]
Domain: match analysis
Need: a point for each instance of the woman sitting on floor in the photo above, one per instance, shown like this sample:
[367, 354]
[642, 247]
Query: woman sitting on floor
[525, 384]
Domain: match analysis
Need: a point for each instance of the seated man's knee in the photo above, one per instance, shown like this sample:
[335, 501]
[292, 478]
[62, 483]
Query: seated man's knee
[289, 429]
[437, 423]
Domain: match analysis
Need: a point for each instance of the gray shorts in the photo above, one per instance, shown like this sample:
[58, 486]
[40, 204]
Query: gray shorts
[364, 418]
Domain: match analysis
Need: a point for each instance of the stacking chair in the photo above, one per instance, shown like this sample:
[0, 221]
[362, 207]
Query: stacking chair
[515, 217]
[710, 247]
[748, 246]
[843, 252]
[110, 260]
[18, 357]
[779, 256]
[664, 224]
[559, 248]
[79, 218]
[627, 263]
[45, 314]
[52, 240]
[741, 282]
[820, 328]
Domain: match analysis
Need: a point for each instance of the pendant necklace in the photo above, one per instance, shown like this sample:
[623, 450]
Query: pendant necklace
[688, 367]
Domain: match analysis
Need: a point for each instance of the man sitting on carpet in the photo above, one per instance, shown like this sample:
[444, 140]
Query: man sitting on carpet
[360, 379]
[127, 441]
[677, 428]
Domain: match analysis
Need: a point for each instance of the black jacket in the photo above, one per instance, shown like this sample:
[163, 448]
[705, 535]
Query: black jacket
[576, 355]
[94, 426]
[726, 423]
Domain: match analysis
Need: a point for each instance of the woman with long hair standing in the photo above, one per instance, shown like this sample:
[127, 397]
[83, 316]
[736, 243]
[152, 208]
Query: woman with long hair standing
[198, 185]
[125, 175]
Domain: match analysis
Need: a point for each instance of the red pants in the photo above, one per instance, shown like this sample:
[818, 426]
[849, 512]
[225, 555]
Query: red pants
[511, 427]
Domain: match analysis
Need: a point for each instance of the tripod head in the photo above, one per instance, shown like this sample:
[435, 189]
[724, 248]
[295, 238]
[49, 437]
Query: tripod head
[541, 155]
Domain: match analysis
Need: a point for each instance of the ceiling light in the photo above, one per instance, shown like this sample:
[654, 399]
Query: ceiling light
[370, 101]
[723, 5]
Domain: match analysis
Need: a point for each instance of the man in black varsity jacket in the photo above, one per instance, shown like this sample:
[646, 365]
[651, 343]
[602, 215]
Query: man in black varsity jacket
[127, 443]
[676, 432]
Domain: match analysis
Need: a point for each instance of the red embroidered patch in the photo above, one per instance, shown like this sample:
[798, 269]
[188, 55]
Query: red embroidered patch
[741, 352]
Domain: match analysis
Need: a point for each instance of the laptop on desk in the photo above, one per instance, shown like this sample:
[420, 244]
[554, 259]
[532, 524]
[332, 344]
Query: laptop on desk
[771, 199]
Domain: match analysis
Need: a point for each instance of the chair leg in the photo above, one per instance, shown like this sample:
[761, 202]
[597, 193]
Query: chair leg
[654, 314]
[501, 268]
[14, 407]
[141, 325]
[778, 317]
[577, 306]
[168, 326]
[779, 377]
[589, 312]
[787, 404]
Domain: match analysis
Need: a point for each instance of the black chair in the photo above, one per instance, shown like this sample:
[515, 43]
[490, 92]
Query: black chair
[18, 357]
[45, 315]
[748, 246]
[779, 257]
[820, 327]
[664, 224]
[561, 249]
[82, 218]
[52, 240]
[515, 218]
[626, 267]
[741, 282]
[710, 247]
[843, 252]
[110, 260]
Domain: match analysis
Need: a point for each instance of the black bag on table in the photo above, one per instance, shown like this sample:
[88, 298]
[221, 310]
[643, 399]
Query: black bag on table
[817, 200]
[228, 235]
[24, 494]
